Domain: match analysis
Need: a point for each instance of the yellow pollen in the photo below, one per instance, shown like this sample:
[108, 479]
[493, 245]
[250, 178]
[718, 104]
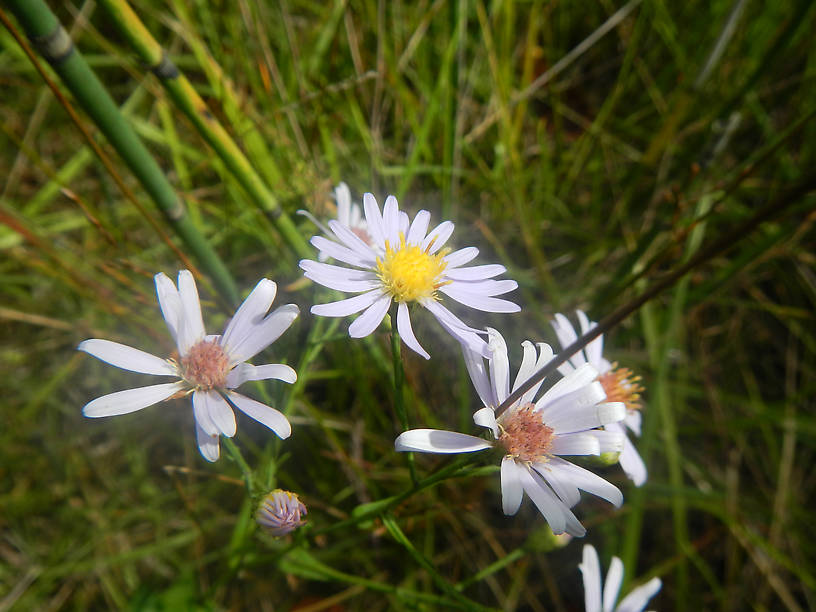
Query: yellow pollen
[621, 385]
[525, 436]
[205, 366]
[409, 273]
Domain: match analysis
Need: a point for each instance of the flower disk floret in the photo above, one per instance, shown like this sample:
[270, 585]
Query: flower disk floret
[535, 433]
[402, 264]
[208, 367]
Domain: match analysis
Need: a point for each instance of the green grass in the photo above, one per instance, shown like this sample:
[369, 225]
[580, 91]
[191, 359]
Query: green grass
[589, 187]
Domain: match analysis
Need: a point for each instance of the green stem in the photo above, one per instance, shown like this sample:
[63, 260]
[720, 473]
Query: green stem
[246, 472]
[54, 43]
[186, 98]
[399, 398]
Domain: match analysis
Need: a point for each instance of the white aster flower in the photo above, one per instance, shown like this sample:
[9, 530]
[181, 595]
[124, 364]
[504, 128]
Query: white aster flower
[597, 600]
[405, 263]
[209, 367]
[349, 215]
[620, 385]
[534, 434]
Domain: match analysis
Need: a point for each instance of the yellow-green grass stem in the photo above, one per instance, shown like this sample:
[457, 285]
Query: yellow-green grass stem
[187, 99]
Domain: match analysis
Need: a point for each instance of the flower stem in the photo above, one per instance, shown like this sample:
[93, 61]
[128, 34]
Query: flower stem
[246, 472]
[399, 399]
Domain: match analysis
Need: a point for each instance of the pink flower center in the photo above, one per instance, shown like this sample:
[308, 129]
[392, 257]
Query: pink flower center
[621, 385]
[524, 435]
[205, 366]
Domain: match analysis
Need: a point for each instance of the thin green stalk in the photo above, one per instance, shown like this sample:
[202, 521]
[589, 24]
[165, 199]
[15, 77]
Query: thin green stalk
[186, 98]
[246, 471]
[399, 398]
[54, 43]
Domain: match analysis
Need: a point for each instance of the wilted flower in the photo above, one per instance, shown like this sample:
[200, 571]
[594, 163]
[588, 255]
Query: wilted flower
[598, 600]
[280, 513]
[620, 384]
[534, 434]
[404, 263]
[209, 367]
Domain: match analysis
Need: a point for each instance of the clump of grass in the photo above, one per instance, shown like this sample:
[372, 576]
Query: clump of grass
[589, 184]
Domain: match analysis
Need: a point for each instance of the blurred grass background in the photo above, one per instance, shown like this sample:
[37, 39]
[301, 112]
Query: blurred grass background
[588, 146]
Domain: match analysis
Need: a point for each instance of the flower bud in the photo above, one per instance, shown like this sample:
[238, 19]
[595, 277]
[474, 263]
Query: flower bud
[280, 513]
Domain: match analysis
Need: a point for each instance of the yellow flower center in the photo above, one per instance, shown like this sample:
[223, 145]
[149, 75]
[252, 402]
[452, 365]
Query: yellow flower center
[408, 273]
[205, 366]
[525, 436]
[621, 385]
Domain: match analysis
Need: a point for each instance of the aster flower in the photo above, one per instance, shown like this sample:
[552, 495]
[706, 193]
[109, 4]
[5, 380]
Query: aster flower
[597, 600]
[280, 513]
[405, 263]
[535, 434]
[349, 215]
[620, 385]
[208, 367]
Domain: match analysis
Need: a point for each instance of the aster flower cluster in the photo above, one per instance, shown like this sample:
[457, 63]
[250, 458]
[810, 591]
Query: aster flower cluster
[392, 262]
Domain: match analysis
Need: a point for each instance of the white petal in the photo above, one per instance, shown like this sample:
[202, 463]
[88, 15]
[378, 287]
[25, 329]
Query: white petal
[264, 333]
[474, 361]
[566, 336]
[574, 411]
[169, 302]
[475, 273]
[460, 257]
[244, 372]
[574, 380]
[438, 441]
[371, 318]
[512, 491]
[191, 326]
[265, 415]
[221, 415]
[353, 242]
[391, 220]
[529, 366]
[544, 499]
[575, 444]
[406, 332]
[338, 277]
[343, 308]
[126, 357]
[608, 441]
[564, 488]
[632, 421]
[374, 220]
[499, 364]
[130, 400]
[437, 238]
[207, 444]
[249, 314]
[636, 600]
[486, 417]
[202, 416]
[593, 350]
[631, 461]
[329, 248]
[457, 328]
[478, 301]
[587, 481]
[404, 222]
[591, 571]
[342, 196]
[581, 418]
[612, 584]
[419, 227]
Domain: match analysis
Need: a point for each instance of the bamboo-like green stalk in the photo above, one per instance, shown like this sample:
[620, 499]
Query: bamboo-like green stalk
[190, 103]
[55, 45]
